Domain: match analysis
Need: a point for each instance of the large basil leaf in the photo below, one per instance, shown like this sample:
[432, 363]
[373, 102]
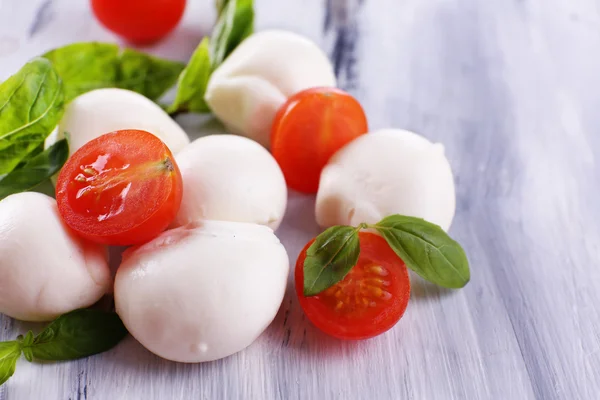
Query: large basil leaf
[31, 105]
[9, 355]
[87, 66]
[80, 333]
[426, 249]
[148, 75]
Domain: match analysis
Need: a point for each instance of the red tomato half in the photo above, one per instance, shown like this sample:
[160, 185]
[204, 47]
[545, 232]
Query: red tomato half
[309, 128]
[122, 188]
[139, 21]
[368, 301]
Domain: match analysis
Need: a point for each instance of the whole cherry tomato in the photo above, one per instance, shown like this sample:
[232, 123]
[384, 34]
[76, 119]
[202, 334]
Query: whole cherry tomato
[139, 21]
[309, 128]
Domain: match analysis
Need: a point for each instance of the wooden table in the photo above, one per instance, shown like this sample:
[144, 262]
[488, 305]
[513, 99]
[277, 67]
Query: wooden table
[512, 88]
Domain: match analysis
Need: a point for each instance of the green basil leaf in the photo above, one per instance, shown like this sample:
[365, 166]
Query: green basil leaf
[192, 82]
[36, 170]
[85, 66]
[89, 65]
[148, 75]
[31, 104]
[80, 333]
[220, 5]
[10, 352]
[426, 249]
[25, 343]
[235, 23]
[330, 258]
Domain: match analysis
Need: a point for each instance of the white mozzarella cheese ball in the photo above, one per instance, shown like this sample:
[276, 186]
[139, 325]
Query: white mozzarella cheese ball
[230, 178]
[204, 291]
[246, 91]
[45, 269]
[102, 111]
[386, 172]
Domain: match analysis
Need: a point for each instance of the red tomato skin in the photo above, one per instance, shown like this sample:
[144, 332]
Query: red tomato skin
[122, 232]
[139, 21]
[309, 128]
[373, 249]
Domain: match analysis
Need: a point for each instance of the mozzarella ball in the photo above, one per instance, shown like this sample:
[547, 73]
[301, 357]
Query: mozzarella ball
[246, 91]
[203, 291]
[386, 172]
[102, 111]
[230, 178]
[45, 269]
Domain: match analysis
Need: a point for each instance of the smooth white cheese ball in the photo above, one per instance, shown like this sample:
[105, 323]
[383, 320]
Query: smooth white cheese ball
[204, 291]
[386, 172]
[230, 178]
[246, 91]
[102, 111]
[45, 269]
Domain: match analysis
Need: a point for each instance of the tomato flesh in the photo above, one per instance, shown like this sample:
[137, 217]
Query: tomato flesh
[139, 21]
[122, 188]
[309, 128]
[370, 300]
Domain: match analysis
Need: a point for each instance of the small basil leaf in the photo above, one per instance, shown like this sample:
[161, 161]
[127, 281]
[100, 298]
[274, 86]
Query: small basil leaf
[235, 23]
[85, 66]
[9, 355]
[148, 75]
[192, 82]
[426, 249]
[31, 104]
[36, 170]
[330, 258]
[80, 333]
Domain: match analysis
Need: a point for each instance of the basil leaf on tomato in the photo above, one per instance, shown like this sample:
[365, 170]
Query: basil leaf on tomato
[330, 258]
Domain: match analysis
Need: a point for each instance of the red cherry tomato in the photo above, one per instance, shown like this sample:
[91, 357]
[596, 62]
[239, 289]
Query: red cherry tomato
[139, 21]
[309, 128]
[122, 188]
[368, 301]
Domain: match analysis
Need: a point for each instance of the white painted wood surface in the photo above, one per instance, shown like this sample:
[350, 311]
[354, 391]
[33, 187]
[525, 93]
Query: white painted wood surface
[512, 88]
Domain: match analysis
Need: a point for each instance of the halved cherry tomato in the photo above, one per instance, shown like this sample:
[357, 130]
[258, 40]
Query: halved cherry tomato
[122, 188]
[368, 301]
[139, 21]
[309, 128]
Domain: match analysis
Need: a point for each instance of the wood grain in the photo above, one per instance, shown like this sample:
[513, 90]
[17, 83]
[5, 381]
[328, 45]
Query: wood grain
[512, 89]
